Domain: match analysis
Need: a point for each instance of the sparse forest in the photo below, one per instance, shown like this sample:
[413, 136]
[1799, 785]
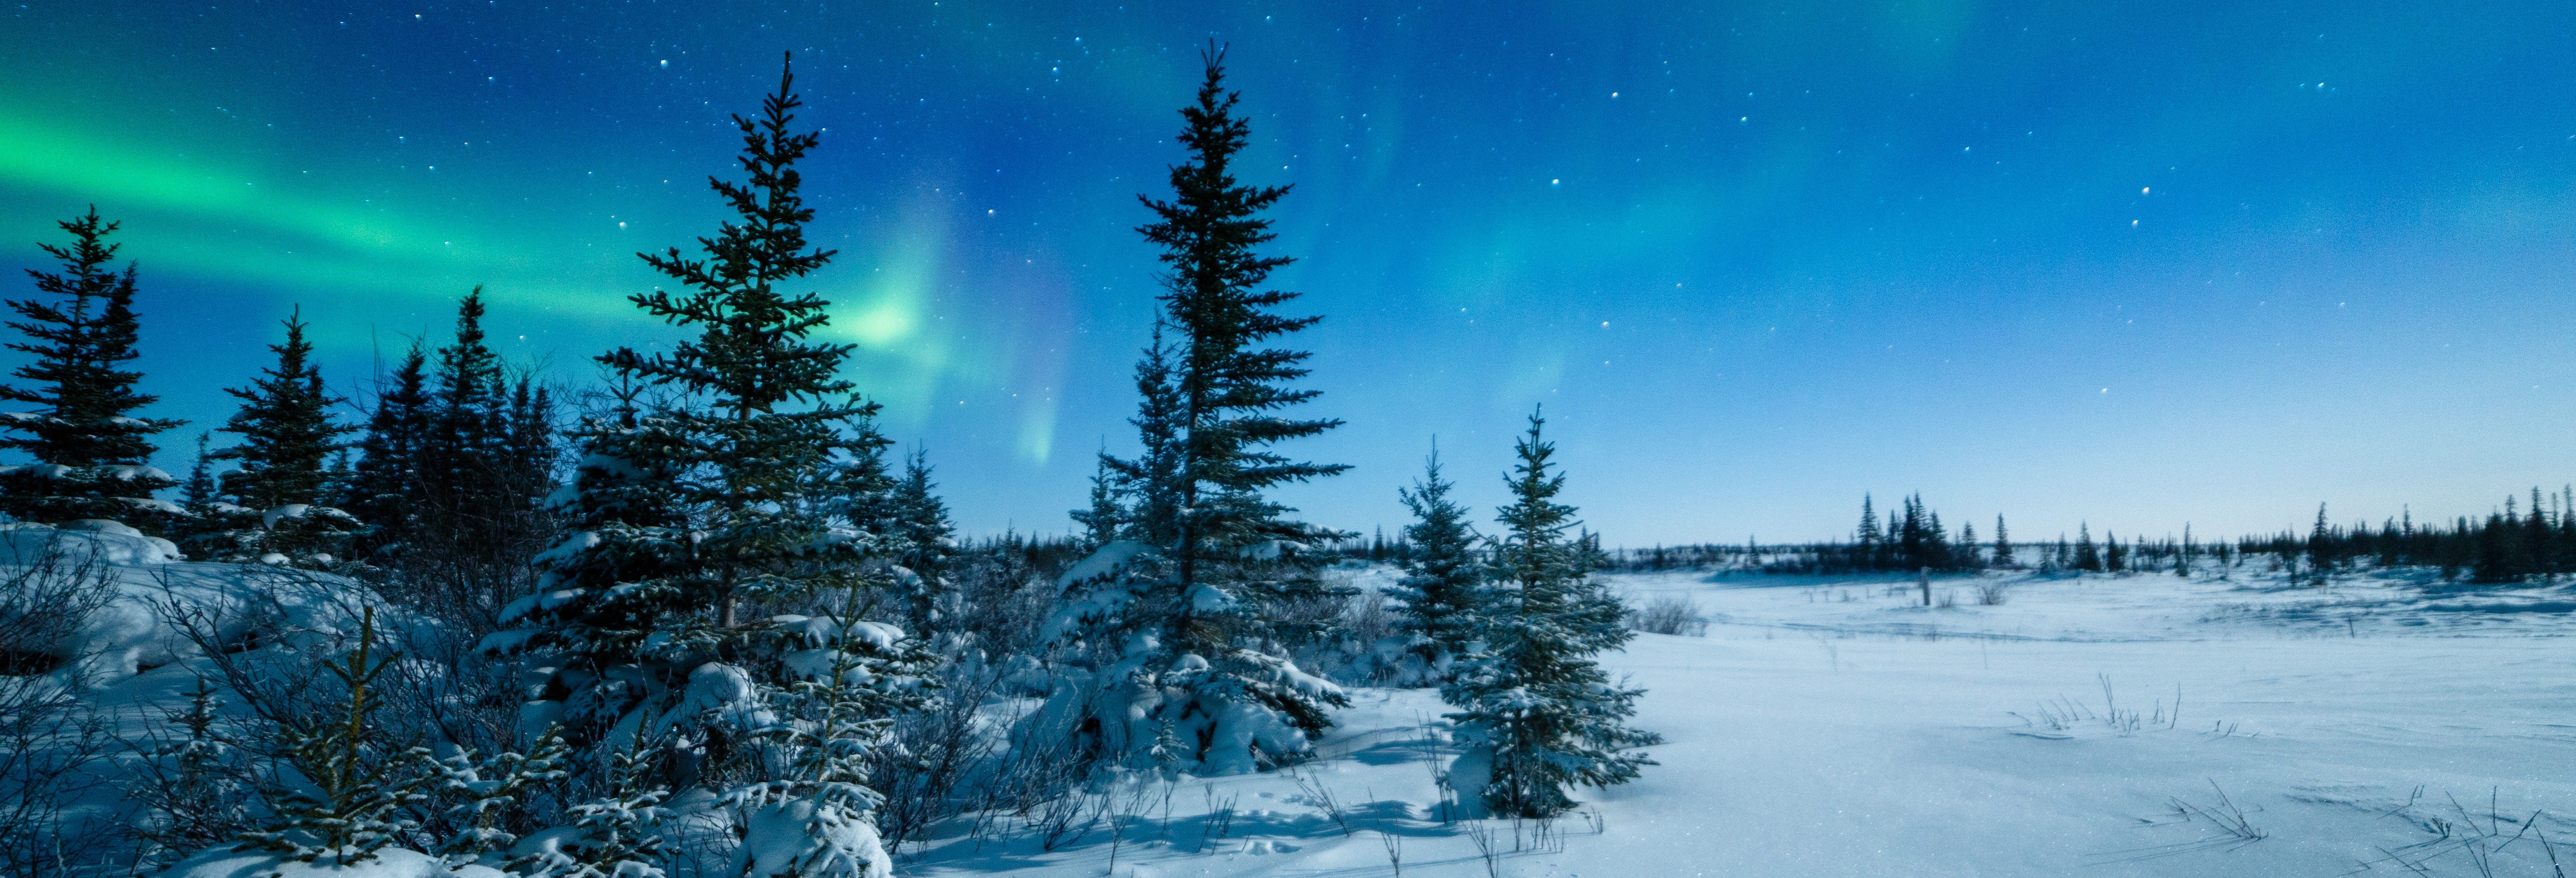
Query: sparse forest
[699, 615]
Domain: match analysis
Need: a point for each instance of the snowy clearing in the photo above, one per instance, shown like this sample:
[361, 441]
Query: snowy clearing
[1834, 726]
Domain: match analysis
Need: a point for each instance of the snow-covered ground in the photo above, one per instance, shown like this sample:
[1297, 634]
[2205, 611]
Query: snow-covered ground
[2126, 725]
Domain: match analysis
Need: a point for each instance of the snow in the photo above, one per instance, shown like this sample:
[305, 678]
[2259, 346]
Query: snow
[387, 863]
[1825, 726]
[1833, 726]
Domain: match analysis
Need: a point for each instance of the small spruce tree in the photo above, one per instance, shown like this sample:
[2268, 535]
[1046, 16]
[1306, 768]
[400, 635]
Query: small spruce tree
[1443, 576]
[1537, 714]
[287, 435]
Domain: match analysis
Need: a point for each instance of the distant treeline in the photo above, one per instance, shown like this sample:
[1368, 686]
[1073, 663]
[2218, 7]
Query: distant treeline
[2518, 541]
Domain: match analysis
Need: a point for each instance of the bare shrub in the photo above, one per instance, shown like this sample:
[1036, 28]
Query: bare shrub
[49, 739]
[1668, 614]
[1991, 594]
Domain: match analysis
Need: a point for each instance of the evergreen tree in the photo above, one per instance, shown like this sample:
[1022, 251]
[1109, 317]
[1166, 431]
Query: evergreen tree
[1151, 482]
[92, 455]
[817, 817]
[1443, 576]
[1536, 713]
[1869, 538]
[1182, 627]
[614, 836]
[360, 787]
[287, 434]
[925, 539]
[2087, 558]
[692, 512]
[2003, 545]
[2114, 558]
[1100, 521]
[384, 487]
[2321, 549]
[199, 494]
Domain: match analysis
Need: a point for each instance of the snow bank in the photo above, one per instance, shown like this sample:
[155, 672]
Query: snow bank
[131, 633]
[387, 863]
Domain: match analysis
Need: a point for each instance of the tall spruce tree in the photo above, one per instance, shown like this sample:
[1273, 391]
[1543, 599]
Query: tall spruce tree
[696, 512]
[287, 435]
[2087, 558]
[2003, 544]
[1184, 637]
[1443, 578]
[92, 454]
[1536, 712]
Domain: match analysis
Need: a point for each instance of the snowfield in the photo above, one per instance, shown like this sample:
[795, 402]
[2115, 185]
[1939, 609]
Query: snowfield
[1834, 726]
[1825, 726]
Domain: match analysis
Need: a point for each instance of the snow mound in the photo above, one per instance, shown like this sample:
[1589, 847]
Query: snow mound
[387, 863]
[97, 541]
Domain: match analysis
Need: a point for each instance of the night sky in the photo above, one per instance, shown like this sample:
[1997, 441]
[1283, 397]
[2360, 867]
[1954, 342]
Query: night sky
[2132, 263]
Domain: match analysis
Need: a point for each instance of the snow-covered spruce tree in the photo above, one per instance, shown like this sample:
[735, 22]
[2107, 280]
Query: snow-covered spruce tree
[816, 816]
[691, 513]
[483, 787]
[92, 454]
[1441, 580]
[1535, 712]
[1182, 658]
[359, 787]
[615, 836]
[380, 491]
[287, 434]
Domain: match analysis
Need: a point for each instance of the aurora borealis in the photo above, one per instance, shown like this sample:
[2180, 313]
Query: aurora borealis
[2135, 264]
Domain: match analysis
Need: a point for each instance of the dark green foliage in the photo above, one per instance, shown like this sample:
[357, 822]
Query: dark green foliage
[923, 542]
[271, 503]
[1224, 584]
[725, 499]
[1532, 703]
[2087, 558]
[1230, 390]
[2003, 545]
[287, 433]
[1443, 576]
[360, 784]
[92, 453]
[1101, 520]
[382, 487]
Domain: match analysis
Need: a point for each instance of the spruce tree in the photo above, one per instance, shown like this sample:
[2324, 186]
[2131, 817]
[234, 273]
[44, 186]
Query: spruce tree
[92, 454]
[384, 487]
[1443, 577]
[694, 512]
[1869, 537]
[1536, 713]
[924, 540]
[287, 434]
[2087, 558]
[1101, 520]
[1182, 625]
[2003, 545]
[2321, 549]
